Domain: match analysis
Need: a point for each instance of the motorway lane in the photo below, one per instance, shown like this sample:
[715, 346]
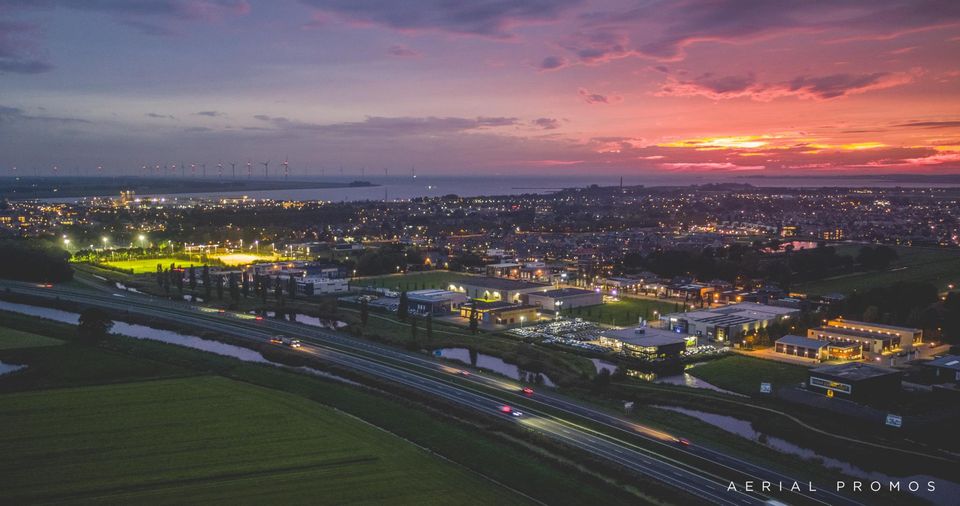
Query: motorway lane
[638, 459]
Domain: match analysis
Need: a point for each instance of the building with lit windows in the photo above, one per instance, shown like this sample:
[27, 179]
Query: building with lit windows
[806, 347]
[728, 323]
[646, 343]
[564, 299]
[855, 381]
[873, 337]
[491, 289]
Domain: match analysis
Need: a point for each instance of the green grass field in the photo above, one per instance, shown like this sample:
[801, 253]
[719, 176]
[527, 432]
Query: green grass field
[744, 374]
[412, 280]
[938, 266]
[212, 440]
[624, 312]
[12, 339]
[145, 266]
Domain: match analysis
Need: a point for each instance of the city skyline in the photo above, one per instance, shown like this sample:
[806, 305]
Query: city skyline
[531, 87]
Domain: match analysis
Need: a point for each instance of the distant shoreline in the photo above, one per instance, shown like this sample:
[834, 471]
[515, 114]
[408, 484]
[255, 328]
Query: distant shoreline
[26, 188]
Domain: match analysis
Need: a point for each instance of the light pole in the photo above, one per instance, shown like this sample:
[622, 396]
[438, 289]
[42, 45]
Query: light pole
[521, 321]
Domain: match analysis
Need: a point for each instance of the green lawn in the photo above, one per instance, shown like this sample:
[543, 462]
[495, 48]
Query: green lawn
[145, 266]
[938, 266]
[412, 280]
[212, 440]
[624, 312]
[12, 338]
[742, 374]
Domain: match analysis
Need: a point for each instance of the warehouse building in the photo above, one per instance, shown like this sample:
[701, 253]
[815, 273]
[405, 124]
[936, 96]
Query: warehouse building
[806, 347]
[873, 337]
[646, 343]
[435, 302]
[855, 381]
[490, 288]
[501, 312]
[564, 299]
[727, 323]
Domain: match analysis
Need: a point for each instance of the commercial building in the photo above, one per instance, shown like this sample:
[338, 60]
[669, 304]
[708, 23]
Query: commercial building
[435, 302]
[855, 381]
[562, 299]
[312, 285]
[946, 369]
[728, 323]
[501, 312]
[491, 289]
[800, 346]
[646, 343]
[874, 338]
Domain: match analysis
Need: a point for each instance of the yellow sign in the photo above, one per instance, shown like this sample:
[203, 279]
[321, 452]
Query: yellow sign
[829, 393]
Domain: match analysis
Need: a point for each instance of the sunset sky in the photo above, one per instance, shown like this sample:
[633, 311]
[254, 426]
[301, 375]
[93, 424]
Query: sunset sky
[525, 86]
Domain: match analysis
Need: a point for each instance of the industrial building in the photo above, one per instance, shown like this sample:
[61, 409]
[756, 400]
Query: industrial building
[805, 347]
[491, 289]
[855, 381]
[728, 323]
[501, 312]
[946, 369]
[646, 343]
[874, 337]
[435, 302]
[562, 299]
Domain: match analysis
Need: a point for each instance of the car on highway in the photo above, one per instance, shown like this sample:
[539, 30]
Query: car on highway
[527, 390]
[464, 372]
[293, 343]
[276, 340]
[683, 441]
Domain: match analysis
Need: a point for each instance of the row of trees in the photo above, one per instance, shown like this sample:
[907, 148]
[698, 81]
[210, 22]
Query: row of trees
[32, 260]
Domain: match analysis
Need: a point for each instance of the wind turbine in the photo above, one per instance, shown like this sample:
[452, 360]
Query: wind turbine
[233, 167]
[220, 170]
[204, 167]
[249, 169]
[193, 170]
[266, 168]
[286, 167]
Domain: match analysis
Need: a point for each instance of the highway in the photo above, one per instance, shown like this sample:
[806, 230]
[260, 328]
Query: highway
[634, 447]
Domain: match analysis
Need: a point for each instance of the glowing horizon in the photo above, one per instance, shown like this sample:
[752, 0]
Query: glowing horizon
[526, 87]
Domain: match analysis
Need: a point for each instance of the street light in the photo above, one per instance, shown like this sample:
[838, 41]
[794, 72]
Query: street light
[521, 321]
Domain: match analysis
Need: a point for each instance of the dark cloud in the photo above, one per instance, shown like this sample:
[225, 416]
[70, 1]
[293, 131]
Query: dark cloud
[547, 123]
[15, 54]
[388, 127]
[401, 51]
[815, 87]
[598, 46]
[596, 98]
[931, 124]
[158, 116]
[15, 114]
[211, 114]
[491, 18]
[181, 9]
[553, 63]
[664, 30]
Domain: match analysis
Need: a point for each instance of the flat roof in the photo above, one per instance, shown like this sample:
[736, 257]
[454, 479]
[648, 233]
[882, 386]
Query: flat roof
[853, 333]
[830, 323]
[649, 337]
[488, 282]
[806, 342]
[432, 295]
[559, 293]
[735, 314]
[853, 371]
[948, 362]
[504, 265]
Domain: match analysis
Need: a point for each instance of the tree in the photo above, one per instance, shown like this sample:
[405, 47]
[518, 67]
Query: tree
[94, 325]
[413, 328]
[160, 274]
[430, 328]
[233, 288]
[245, 286]
[220, 287]
[207, 288]
[403, 309]
[474, 319]
[192, 276]
[364, 312]
[292, 287]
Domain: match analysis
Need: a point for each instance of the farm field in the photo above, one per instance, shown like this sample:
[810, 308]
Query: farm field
[212, 440]
[940, 267]
[13, 339]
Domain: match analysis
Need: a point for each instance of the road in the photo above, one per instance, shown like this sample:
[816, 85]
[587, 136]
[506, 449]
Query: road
[637, 448]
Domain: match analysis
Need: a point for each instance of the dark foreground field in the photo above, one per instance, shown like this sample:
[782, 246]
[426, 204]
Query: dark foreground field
[212, 440]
